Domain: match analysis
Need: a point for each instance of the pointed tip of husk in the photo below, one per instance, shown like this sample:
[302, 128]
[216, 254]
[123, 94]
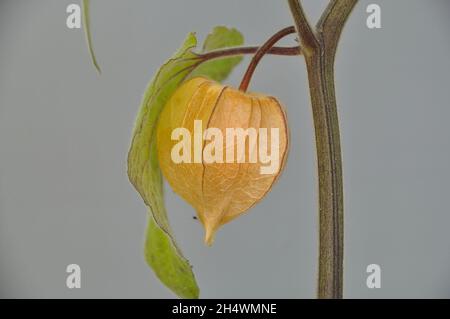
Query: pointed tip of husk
[210, 233]
[209, 236]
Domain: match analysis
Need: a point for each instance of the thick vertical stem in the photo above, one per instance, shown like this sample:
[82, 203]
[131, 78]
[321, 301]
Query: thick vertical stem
[319, 48]
[329, 164]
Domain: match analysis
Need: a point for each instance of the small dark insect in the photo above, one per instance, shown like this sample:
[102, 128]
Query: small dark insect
[194, 217]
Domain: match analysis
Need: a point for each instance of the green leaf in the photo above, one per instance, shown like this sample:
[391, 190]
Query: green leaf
[143, 167]
[162, 256]
[161, 250]
[87, 31]
[219, 69]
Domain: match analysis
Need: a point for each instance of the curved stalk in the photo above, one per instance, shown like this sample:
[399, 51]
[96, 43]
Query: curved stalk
[260, 53]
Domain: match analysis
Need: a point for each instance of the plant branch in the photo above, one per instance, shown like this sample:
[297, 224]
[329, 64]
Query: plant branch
[320, 66]
[306, 33]
[334, 17]
[288, 51]
[333, 21]
[260, 53]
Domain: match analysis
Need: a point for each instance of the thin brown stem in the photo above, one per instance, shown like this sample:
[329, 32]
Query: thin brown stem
[288, 51]
[260, 53]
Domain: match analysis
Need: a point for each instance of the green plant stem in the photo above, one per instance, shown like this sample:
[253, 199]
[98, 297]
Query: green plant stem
[319, 49]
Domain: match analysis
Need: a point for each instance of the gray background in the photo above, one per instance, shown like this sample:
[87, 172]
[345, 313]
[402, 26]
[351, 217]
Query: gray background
[64, 136]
